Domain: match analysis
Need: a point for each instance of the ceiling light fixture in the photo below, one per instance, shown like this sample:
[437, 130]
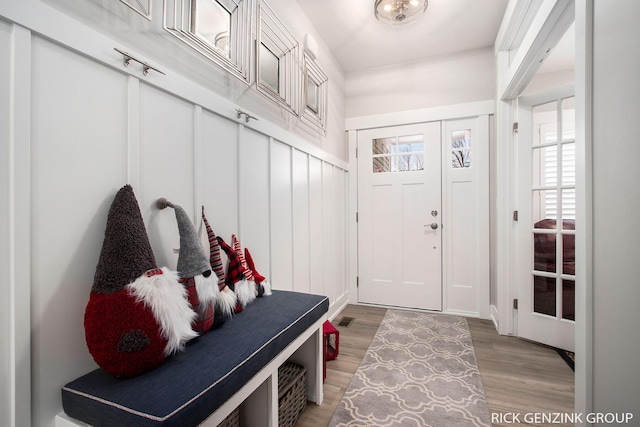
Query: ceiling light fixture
[396, 12]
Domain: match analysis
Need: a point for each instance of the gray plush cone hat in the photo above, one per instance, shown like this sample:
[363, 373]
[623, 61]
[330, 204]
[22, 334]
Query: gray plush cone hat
[192, 260]
[126, 253]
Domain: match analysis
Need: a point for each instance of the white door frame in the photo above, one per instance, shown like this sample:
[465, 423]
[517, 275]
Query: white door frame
[512, 25]
[443, 113]
[537, 34]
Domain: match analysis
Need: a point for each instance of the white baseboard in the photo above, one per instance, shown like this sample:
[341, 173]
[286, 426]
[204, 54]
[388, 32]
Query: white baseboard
[338, 306]
[493, 315]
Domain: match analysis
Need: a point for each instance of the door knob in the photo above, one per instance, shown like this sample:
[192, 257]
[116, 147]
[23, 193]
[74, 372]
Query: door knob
[434, 225]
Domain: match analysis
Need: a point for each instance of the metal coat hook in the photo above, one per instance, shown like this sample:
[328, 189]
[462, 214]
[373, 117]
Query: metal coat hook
[246, 115]
[145, 66]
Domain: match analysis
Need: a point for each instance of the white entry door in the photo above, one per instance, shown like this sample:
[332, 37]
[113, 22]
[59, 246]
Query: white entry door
[546, 224]
[399, 216]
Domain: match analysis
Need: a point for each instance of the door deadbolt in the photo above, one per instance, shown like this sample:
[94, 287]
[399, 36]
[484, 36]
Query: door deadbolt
[434, 213]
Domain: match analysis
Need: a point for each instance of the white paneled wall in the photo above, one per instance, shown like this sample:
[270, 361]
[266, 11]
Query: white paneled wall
[7, 286]
[328, 247]
[254, 227]
[301, 222]
[316, 234]
[219, 163]
[165, 167]
[93, 127]
[78, 152]
[281, 216]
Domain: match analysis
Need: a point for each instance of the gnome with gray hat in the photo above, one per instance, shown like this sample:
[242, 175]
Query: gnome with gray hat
[194, 271]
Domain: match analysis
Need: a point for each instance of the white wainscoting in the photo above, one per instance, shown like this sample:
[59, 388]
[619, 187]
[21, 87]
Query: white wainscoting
[74, 130]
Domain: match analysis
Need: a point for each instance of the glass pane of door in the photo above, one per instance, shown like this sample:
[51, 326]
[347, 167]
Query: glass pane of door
[461, 148]
[398, 154]
[544, 295]
[568, 300]
[553, 209]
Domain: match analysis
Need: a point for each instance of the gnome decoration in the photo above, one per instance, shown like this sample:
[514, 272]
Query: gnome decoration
[239, 277]
[263, 288]
[194, 271]
[137, 314]
[227, 300]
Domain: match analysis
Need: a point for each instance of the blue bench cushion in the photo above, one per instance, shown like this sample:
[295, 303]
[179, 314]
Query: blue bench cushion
[191, 385]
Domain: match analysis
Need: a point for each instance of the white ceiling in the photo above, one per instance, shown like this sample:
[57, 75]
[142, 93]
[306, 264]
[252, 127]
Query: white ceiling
[359, 41]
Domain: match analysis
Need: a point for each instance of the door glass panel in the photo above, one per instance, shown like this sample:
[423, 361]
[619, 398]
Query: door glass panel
[569, 205]
[461, 148]
[544, 295]
[568, 119]
[569, 254]
[544, 252]
[545, 166]
[545, 127]
[569, 163]
[545, 206]
[410, 153]
[554, 206]
[382, 154]
[568, 300]
[398, 154]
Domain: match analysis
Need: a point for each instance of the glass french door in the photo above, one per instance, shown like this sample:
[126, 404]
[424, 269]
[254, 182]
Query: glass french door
[546, 225]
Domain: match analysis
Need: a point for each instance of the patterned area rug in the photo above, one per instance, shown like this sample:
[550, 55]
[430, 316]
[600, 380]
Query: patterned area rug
[420, 370]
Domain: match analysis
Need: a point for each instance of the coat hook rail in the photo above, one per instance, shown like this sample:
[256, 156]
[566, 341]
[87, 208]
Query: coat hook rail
[246, 115]
[145, 67]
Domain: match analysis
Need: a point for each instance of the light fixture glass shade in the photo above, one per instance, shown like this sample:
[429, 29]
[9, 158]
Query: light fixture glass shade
[398, 12]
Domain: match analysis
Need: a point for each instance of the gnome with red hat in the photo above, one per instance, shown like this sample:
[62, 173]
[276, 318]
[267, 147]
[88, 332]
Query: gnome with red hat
[263, 287]
[137, 314]
[227, 300]
[239, 277]
[194, 270]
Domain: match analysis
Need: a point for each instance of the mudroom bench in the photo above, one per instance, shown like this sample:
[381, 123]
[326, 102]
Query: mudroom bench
[235, 366]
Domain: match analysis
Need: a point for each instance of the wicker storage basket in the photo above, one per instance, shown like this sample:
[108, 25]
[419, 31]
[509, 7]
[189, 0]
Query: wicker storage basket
[292, 393]
[232, 420]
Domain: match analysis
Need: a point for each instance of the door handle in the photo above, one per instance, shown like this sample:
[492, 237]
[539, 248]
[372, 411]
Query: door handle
[434, 225]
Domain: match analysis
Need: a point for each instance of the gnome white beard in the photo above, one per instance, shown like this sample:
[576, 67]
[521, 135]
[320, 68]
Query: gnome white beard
[227, 301]
[207, 290]
[266, 286]
[168, 301]
[245, 291]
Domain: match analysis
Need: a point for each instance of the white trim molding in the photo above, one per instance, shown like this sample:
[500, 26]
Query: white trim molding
[584, 209]
[19, 229]
[422, 115]
[550, 24]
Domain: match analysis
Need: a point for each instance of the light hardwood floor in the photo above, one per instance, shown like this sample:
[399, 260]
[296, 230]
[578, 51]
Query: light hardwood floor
[518, 376]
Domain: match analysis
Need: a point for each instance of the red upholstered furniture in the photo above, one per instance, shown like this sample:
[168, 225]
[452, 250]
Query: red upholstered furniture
[331, 344]
[544, 259]
[545, 247]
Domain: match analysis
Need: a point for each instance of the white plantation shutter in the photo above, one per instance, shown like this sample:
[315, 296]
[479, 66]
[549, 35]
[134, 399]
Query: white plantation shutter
[568, 178]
